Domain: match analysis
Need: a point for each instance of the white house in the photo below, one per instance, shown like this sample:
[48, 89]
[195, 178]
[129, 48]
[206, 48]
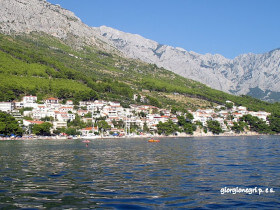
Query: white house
[37, 114]
[31, 122]
[87, 131]
[30, 101]
[71, 116]
[6, 106]
[260, 114]
[69, 102]
[51, 101]
[59, 124]
[19, 105]
[66, 109]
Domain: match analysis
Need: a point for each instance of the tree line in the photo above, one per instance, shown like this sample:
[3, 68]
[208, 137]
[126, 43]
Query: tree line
[245, 123]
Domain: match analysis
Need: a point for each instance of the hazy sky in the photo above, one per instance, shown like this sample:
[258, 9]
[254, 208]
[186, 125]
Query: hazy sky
[227, 27]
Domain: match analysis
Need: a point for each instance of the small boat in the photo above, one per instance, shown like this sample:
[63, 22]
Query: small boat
[86, 141]
[153, 140]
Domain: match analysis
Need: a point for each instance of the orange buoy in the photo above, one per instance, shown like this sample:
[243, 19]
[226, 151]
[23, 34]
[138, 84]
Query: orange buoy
[153, 140]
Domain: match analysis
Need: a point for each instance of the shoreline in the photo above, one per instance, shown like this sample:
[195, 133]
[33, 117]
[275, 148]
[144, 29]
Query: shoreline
[195, 135]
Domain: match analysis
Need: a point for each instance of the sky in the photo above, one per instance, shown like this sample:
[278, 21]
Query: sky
[226, 27]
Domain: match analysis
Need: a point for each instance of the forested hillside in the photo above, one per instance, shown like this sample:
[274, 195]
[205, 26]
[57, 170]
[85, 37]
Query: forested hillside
[42, 65]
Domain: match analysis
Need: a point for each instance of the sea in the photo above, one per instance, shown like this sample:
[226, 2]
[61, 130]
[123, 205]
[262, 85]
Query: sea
[198, 173]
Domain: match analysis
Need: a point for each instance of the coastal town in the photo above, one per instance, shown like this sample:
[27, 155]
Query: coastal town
[117, 121]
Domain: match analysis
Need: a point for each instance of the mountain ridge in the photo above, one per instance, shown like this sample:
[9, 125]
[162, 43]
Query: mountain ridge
[242, 75]
[237, 76]
[26, 16]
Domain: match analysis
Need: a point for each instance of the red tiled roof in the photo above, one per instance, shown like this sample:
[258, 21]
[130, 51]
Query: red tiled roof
[62, 112]
[89, 128]
[35, 122]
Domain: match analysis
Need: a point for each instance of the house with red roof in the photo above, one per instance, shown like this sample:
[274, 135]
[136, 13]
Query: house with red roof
[88, 130]
[82, 112]
[69, 102]
[31, 122]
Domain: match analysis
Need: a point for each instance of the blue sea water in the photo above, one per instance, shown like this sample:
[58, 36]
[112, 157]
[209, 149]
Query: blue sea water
[134, 174]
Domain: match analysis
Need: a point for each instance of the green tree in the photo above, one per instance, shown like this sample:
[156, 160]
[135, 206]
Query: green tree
[186, 124]
[118, 124]
[59, 131]
[189, 128]
[274, 122]
[42, 129]
[72, 131]
[103, 125]
[9, 125]
[229, 105]
[142, 114]
[214, 126]
[49, 119]
[189, 116]
[138, 99]
[167, 128]
[238, 126]
[256, 124]
[153, 101]
[230, 117]
[174, 110]
[77, 122]
[145, 128]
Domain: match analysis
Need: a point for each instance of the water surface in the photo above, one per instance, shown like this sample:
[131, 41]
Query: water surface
[135, 174]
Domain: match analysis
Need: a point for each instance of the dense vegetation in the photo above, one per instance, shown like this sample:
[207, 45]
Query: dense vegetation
[42, 129]
[245, 123]
[41, 65]
[9, 125]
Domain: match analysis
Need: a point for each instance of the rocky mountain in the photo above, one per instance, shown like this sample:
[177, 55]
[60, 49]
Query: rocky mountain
[25, 16]
[253, 74]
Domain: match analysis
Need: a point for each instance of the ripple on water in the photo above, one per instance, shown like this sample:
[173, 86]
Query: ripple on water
[131, 174]
[47, 193]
